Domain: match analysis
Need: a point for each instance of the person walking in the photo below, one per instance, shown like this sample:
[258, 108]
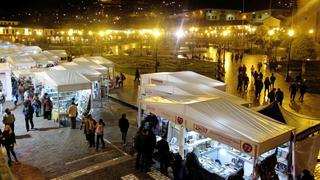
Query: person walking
[92, 130]
[137, 146]
[137, 75]
[293, 91]
[124, 126]
[240, 82]
[272, 80]
[48, 108]
[100, 134]
[121, 80]
[37, 105]
[252, 70]
[272, 95]
[163, 149]
[245, 82]
[303, 90]
[267, 84]
[85, 124]
[28, 114]
[8, 139]
[8, 119]
[279, 96]
[21, 92]
[2, 101]
[259, 86]
[73, 113]
[259, 66]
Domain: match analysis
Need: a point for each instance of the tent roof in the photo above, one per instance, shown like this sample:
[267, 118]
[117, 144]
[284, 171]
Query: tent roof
[222, 120]
[27, 72]
[4, 67]
[182, 77]
[83, 61]
[304, 125]
[86, 71]
[51, 56]
[59, 53]
[101, 60]
[31, 49]
[40, 58]
[63, 81]
[195, 90]
[21, 60]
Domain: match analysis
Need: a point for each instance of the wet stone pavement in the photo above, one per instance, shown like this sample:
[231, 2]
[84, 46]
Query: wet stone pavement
[49, 152]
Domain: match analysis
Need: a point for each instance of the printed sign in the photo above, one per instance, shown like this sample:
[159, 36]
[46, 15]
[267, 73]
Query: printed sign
[247, 147]
[179, 120]
[200, 129]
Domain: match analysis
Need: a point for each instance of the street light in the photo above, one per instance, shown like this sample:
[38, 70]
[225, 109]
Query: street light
[156, 34]
[290, 34]
[101, 34]
[70, 33]
[311, 31]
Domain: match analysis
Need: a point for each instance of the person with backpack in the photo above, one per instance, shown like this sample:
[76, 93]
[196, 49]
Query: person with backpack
[28, 114]
[8, 119]
[100, 134]
[124, 126]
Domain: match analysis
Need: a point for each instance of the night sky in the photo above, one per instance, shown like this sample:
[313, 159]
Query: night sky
[9, 5]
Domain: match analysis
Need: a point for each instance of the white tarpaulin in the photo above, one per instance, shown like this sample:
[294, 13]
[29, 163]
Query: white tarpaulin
[89, 73]
[41, 59]
[60, 53]
[83, 61]
[5, 78]
[183, 77]
[51, 56]
[21, 61]
[63, 81]
[224, 121]
[187, 90]
[101, 60]
[31, 49]
[27, 72]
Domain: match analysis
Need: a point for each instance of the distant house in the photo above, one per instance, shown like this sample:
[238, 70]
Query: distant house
[272, 22]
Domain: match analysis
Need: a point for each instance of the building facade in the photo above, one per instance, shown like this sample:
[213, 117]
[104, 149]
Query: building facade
[308, 17]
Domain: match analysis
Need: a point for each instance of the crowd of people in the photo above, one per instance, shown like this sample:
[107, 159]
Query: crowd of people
[268, 83]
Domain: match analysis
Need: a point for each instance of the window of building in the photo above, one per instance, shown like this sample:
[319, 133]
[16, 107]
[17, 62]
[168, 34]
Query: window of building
[253, 16]
[259, 16]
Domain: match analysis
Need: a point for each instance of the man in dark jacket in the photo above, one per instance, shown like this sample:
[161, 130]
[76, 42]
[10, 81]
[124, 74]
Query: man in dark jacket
[124, 126]
[303, 90]
[272, 95]
[279, 96]
[293, 90]
[163, 149]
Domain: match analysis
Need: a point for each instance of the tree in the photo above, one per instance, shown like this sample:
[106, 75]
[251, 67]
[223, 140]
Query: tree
[260, 35]
[303, 47]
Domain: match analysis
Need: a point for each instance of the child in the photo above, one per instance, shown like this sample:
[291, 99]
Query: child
[100, 133]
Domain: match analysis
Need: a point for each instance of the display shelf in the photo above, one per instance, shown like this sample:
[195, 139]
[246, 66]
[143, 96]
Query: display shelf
[197, 142]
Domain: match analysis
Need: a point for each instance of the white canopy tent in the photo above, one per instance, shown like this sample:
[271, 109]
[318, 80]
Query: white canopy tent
[51, 56]
[27, 72]
[83, 61]
[101, 60]
[89, 73]
[187, 90]
[183, 77]
[63, 81]
[223, 121]
[5, 78]
[62, 54]
[41, 59]
[31, 49]
[21, 62]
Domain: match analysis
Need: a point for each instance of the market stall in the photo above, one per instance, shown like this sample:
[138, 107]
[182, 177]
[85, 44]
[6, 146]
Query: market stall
[94, 76]
[17, 62]
[65, 85]
[31, 49]
[227, 136]
[5, 81]
[307, 135]
[41, 60]
[62, 54]
[183, 77]
[187, 90]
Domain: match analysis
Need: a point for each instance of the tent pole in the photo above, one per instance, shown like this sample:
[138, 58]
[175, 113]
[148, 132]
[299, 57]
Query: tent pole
[181, 141]
[293, 158]
[58, 109]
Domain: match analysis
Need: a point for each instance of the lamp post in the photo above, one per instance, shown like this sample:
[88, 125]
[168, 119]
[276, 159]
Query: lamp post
[101, 34]
[156, 34]
[270, 33]
[90, 33]
[291, 34]
[70, 33]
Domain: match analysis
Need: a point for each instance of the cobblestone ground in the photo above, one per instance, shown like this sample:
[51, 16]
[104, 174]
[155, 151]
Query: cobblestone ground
[50, 152]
